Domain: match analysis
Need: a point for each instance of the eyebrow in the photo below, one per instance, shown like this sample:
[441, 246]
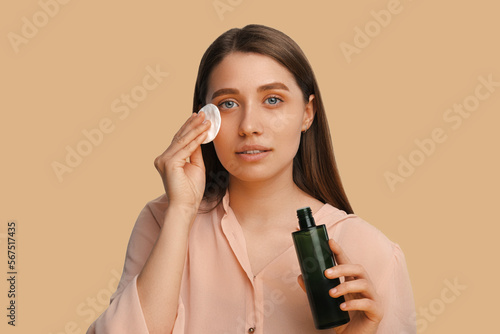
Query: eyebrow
[273, 85]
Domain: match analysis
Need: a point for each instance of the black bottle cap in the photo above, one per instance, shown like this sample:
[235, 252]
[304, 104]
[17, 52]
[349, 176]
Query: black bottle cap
[306, 219]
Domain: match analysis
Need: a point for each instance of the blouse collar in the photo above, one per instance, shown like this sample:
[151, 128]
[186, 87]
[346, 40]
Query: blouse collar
[327, 211]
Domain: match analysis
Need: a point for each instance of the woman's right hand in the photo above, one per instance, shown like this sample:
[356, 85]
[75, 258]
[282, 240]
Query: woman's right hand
[181, 166]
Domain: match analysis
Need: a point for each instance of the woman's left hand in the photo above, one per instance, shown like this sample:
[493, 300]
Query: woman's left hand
[362, 301]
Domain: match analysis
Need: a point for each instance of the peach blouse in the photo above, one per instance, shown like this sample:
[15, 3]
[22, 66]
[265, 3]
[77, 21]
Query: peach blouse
[220, 294]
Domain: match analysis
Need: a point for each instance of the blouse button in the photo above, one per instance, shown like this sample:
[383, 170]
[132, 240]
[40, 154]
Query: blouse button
[251, 330]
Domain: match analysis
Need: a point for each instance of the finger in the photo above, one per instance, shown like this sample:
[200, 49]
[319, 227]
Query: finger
[180, 132]
[188, 150]
[340, 256]
[186, 123]
[370, 308]
[192, 123]
[197, 157]
[361, 286]
[300, 280]
[348, 270]
[179, 142]
[178, 152]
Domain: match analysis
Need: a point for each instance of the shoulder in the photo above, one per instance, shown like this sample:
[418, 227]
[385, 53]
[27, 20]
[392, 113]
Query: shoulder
[362, 242]
[353, 231]
[154, 210]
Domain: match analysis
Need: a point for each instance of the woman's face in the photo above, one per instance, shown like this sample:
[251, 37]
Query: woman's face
[263, 113]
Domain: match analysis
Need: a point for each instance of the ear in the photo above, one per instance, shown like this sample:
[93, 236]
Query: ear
[309, 114]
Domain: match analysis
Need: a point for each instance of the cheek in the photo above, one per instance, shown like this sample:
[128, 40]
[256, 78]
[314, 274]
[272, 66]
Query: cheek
[222, 136]
[219, 148]
[285, 126]
[293, 142]
[287, 119]
[290, 136]
[227, 133]
[222, 143]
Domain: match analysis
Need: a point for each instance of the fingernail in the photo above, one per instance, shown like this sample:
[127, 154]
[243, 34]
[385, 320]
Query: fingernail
[329, 272]
[342, 306]
[333, 291]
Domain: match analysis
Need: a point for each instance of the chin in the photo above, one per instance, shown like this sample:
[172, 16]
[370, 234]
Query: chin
[253, 176]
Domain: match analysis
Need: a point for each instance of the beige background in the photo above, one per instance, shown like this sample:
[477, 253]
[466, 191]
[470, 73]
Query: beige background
[72, 235]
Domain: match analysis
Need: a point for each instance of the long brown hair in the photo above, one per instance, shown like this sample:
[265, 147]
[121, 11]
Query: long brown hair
[314, 167]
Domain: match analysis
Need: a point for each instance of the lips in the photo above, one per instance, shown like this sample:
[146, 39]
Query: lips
[253, 153]
[252, 149]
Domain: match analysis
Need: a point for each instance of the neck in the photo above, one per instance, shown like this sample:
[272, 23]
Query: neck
[263, 203]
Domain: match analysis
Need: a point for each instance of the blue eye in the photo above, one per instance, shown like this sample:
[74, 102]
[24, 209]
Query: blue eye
[273, 100]
[228, 104]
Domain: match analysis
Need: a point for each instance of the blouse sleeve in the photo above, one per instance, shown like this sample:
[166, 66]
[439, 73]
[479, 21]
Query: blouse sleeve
[124, 314]
[398, 302]
[385, 264]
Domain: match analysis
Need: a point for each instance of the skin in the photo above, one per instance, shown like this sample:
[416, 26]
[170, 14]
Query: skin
[252, 113]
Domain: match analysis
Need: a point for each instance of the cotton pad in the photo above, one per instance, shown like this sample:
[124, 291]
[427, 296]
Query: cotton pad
[213, 115]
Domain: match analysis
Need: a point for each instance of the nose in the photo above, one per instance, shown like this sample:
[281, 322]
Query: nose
[250, 122]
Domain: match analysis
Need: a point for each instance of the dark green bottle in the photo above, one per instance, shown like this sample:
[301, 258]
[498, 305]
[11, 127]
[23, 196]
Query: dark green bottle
[315, 256]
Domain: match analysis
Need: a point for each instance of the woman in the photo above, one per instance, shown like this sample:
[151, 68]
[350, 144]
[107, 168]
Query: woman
[215, 253]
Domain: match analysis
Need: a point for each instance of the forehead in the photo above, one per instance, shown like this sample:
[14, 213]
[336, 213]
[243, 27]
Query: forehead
[248, 71]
